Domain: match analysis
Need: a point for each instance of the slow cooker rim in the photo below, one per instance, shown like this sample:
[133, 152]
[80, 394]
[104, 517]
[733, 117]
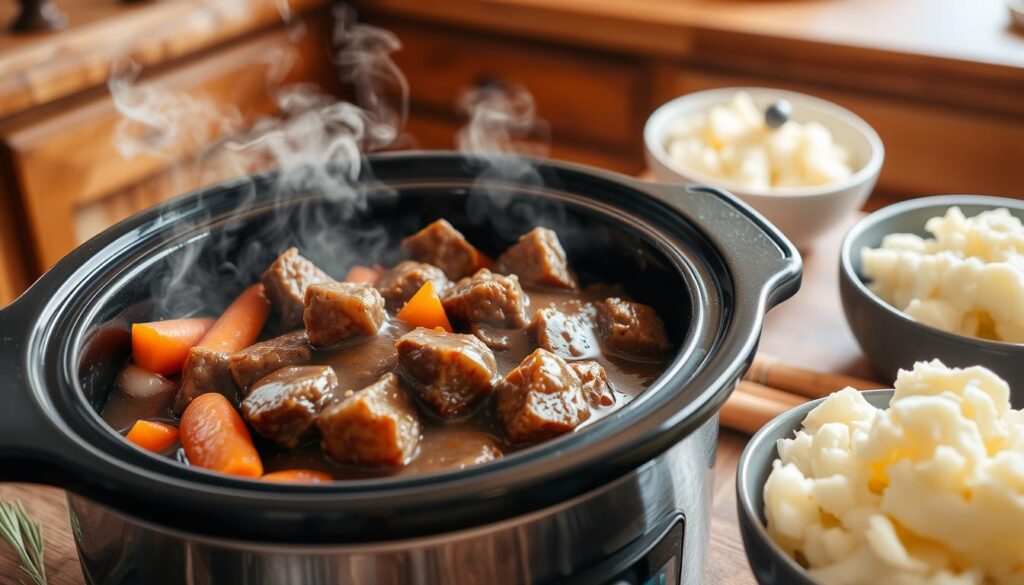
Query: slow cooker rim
[698, 325]
[694, 413]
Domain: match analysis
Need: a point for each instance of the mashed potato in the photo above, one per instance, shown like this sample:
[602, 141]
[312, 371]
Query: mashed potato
[731, 141]
[968, 279]
[930, 491]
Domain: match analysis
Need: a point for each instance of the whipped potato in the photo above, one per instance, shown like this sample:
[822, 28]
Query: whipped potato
[731, 141]
[929, 491]
[967, 279]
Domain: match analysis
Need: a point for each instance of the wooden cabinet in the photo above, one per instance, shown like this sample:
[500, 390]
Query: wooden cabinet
[62, 178]
[948, 107]
[66, 159]
[587, 97]
[591, 101]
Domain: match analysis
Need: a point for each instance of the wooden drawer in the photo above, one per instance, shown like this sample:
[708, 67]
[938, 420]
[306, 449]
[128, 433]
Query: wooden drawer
[593, 98]
[64, 158]
[435, 132]
[929, 149]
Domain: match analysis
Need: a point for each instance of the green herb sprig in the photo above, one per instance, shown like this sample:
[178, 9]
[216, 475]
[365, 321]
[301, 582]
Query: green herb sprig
[26, 538]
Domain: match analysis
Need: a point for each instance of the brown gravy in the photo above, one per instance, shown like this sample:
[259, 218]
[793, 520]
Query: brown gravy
[445, 445]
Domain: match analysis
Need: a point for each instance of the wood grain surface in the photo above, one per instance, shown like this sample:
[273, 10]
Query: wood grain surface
[946, 50]
[809, 330]
[40, 68]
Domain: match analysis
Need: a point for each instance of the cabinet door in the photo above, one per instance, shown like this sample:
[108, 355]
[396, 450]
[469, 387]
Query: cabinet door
[588, 98]
[64, 157]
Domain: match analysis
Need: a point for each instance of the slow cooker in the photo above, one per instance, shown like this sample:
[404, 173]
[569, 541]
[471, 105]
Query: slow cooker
[626, 500]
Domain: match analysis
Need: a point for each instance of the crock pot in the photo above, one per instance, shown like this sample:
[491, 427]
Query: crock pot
[626, 500]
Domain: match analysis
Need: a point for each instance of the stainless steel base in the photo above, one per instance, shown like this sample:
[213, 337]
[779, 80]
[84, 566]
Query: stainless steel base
[542, 547]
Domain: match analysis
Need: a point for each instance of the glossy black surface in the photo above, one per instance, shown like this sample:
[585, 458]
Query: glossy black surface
[707, 262]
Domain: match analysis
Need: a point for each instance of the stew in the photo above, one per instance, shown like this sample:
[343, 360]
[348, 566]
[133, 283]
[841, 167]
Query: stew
[446, 360]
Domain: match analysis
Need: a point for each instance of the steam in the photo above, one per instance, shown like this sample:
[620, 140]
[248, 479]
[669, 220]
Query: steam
[501, 120]
[317, 142]
[502, 128]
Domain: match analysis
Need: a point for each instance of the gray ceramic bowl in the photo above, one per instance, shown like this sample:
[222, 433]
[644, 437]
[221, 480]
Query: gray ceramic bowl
[890, 339]
[770, 564]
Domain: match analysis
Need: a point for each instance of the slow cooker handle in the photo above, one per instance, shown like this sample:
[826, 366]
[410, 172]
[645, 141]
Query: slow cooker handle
[761, 260]
[33, 448]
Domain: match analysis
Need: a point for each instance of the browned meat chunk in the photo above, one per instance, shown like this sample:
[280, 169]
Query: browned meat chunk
[444, 246]
[338, 311]
[570, 335]
[450, 372]
[594, 382]
[450, 447]
[374, 427]
[285, 283]
[539, 260]
[631, 329]
[283, 406]
[540, 399]
[486, 297]
[493, 337]
[205, 370]
[254, 362]
[399, 284]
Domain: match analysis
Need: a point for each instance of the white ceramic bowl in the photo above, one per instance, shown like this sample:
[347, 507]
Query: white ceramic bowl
[802, 213]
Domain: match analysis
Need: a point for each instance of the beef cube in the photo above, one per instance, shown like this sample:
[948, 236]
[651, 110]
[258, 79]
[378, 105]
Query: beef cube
[452, 446]
[338, 311]
[493, 337]
[540, 399]
[632, 329]
[569, 335]
[283, 406]
[450, 372]
[374, 427]
[486, 297]
[399, 284]
[444, 246]
[205, 370]
[256, 361]
[594, 382]
[285, 283]
[538, 260]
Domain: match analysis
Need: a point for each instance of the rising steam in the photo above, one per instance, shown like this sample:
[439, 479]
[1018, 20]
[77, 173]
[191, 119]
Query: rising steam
[317, 142]
[503, 127]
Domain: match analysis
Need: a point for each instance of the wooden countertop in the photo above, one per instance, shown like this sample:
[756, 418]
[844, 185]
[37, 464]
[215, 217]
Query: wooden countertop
[39, 68]
[809, 330]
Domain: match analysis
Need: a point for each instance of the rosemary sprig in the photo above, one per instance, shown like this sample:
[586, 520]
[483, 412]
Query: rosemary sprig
[26, 538]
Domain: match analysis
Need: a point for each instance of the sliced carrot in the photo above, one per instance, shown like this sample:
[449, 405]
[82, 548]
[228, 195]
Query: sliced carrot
[424, 309]
[162, 346]
[215, 437]
[152, 436]
[298, 476]
[239, 325]
[363, 274]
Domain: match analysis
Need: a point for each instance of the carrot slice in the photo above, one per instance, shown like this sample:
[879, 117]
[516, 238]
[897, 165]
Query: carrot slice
[162, 346]
[363, 275]
[215, 437]
[152, 436]
[424, 309]
[298, 476]
[240, 324]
